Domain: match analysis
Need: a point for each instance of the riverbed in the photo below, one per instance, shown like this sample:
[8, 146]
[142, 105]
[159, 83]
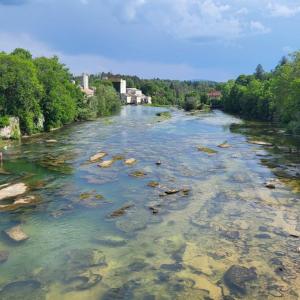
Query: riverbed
[183, 221]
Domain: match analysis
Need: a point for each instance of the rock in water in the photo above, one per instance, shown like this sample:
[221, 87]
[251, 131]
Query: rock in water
[3, 256]
[106, 163]
[13, 190]
[21, 202]
[16, 234]
[270, 185]
[153, 184]
[138, 174]
[130, 161]
[51, 141]
[97, 156]
[121, 211]
[224, 145]
[261, 143]
[207, 150]
[236, 278]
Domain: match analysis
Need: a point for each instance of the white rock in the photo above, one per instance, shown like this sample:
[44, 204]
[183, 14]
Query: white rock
[16, 234]
[13, 190]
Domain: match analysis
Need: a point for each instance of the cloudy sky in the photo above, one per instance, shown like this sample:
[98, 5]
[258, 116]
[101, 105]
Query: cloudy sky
[177, 39]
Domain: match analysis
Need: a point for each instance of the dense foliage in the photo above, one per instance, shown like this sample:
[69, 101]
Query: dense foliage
[39, 91]
[273, 96]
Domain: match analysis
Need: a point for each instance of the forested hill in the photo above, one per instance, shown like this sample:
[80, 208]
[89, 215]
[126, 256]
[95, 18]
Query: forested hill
[166, 92]
[271, 96]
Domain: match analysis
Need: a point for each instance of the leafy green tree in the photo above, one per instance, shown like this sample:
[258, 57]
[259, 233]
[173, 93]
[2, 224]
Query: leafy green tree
[60, 97]
[20, 91]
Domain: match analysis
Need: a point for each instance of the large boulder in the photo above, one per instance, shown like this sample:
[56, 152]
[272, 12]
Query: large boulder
[236, 278]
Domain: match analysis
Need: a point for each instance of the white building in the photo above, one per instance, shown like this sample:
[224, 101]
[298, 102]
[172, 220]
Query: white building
[85, 86]
[135, 96]
[129, 95]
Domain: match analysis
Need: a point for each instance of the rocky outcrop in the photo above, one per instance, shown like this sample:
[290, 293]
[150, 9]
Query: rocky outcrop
[12, 131]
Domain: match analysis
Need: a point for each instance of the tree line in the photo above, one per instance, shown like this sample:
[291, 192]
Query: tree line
[185, 94]
[40, 92]
[268, 96]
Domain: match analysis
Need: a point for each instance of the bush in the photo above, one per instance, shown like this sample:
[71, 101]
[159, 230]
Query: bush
[4, 121]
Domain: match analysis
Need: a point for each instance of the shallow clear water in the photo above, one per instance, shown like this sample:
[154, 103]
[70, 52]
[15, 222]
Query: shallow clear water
[77, 251]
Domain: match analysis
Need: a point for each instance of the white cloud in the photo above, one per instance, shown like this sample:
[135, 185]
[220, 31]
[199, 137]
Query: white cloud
[282, 10]
[203, 20]
[258, 27]
[97, 63]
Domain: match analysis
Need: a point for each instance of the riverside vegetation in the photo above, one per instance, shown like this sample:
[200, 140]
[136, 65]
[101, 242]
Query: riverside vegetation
[39, 91]
[268, 96]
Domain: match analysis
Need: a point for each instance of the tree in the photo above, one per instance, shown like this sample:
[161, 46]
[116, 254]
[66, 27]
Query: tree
[20, 91]
[60, 98]
[259, 72]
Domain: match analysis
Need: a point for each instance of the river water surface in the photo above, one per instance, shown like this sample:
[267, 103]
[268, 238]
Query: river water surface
[160, 246]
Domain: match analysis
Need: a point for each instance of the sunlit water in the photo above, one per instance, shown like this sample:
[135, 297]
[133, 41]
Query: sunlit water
[77, 251]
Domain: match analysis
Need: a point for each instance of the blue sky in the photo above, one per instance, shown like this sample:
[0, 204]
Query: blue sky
[176, 39]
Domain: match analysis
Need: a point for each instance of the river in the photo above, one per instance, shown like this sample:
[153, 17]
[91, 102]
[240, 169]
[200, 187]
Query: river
[218, 232]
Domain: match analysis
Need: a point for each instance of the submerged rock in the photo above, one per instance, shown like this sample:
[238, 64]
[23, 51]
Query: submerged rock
[154, 210]
[13, 190]
[97, 156]
[121, 211]
[3, 256]
[138, 174]
[130, 161]
[84, 281]
[16, 234]
[77, 273]
[153, 184]
[23, 289]
[207, 150]
[236, 278]
[262, 236]
[106, 164]
[231, 235]
[84, 258]
[110, 241]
